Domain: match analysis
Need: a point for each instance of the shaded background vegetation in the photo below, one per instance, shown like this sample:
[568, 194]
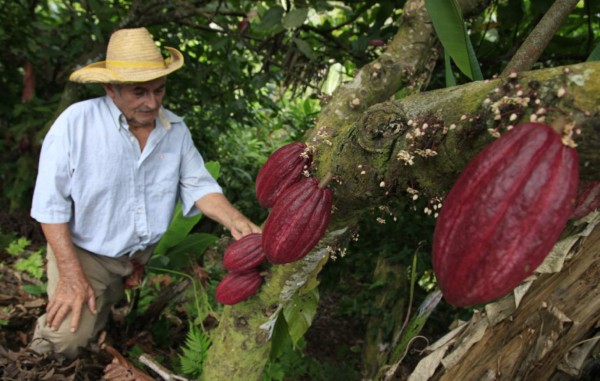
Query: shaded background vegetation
[254, 79]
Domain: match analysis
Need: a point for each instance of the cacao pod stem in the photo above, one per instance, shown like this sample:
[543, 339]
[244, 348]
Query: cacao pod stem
[325, 181]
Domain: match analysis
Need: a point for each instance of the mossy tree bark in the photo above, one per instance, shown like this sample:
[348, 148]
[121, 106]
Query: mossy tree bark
[377, 149]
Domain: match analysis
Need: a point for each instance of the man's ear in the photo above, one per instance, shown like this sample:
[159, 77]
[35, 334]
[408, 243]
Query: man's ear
[110, 90]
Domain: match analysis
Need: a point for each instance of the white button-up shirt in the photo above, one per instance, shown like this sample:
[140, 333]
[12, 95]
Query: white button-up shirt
[116, 198]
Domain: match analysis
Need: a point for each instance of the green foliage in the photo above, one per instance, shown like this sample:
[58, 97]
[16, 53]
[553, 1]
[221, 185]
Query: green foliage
[177, 245]
[245, 91]
[287, 361]
[299, 313]
[33, 264]
[34, 289]
[18, 247]
[29, 262]
[194, 352]
[450, 29]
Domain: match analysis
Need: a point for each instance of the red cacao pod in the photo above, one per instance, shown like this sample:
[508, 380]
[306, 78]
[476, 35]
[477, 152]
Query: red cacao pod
[237, 287]
[244, 254]
[504, 214]
[283, 168]
[297, 221]
[588, 199]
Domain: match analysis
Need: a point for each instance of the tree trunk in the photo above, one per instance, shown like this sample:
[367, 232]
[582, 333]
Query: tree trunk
[377, 150]
[377, 143]
[381, 326]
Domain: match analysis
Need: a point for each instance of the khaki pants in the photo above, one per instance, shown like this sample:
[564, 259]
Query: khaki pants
[106, 275]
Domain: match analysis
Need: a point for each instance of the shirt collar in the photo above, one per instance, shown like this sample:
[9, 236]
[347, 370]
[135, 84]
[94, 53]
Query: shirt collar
[164, 118]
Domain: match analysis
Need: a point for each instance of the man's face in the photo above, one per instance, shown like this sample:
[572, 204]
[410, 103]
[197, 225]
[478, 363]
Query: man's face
[139, 102]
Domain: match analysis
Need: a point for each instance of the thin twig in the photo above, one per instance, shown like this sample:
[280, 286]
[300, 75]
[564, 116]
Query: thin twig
[159, 369]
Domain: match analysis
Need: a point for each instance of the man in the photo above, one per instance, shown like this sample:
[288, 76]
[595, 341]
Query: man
[111, 171]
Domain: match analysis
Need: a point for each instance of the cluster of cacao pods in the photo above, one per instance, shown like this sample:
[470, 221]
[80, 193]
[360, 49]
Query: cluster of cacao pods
[242, 259]
[300, 213]
[300, 205]
[504, 214]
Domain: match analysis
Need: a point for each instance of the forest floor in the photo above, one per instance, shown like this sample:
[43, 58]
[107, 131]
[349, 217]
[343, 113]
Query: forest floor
[19, 311]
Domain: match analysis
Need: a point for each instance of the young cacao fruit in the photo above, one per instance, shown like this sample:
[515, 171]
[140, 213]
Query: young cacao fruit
[244, 254]
[297, 221]
[504, 214]
[237, 287]
[283, 168]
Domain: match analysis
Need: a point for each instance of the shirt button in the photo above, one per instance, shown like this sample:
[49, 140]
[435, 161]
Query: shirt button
[139, 210]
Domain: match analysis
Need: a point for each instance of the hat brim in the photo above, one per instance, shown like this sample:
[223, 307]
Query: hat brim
[98, 73]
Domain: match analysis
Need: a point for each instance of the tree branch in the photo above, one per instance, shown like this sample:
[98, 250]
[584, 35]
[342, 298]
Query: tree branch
[538, 39]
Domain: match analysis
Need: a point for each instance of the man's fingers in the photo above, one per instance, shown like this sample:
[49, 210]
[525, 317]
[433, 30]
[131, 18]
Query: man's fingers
[75, 316]
[255, 229]
[50, 314]
[91, 302]
[243, 229]
[60, 316]
[50, 305]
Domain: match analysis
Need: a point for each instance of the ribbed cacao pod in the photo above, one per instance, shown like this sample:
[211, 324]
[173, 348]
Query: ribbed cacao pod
[504, 214]
[244, 254]
[283, 168]
[297, 221]
[237, 287]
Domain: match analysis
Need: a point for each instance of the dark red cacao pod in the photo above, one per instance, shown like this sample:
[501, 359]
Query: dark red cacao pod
[297, 221]
[283, 168]
[244, 254]
[237, 287]
[588, 199]
[504, 214]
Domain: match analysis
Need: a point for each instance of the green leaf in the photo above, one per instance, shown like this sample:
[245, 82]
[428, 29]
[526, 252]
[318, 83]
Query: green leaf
[192, 245]
[279, 338]
[450, 29]
[300, 312]
[178, 229]
[305, 48]
[34, 289]
[450, 79]
[181, 226]
[17, 247]
[214, 168]
[295, 18]
[194, 352]
[33, 265]
[270, 22]
[595, 55]
[416, 324]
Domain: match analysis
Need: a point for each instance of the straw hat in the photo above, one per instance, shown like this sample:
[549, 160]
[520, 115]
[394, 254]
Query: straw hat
[131, 56]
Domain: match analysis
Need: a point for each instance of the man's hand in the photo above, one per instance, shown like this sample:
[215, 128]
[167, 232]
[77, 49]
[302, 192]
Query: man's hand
[73, 289]
[72, 292]
[216, 207]
[241, 226]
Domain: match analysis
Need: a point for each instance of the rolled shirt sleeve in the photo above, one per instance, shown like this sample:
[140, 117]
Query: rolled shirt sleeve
[51, 198]
[195, 180]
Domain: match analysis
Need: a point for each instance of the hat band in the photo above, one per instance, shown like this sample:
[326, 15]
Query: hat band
[136, 64]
